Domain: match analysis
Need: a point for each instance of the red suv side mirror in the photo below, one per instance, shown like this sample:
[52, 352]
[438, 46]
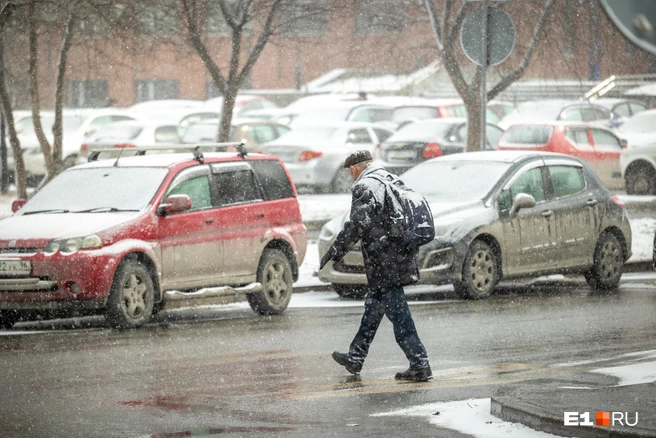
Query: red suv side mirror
[17, 205]
[175, 204]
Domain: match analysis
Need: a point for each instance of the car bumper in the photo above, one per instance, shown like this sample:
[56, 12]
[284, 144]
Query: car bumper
[437, 266]
[310, 173]
[85, 276]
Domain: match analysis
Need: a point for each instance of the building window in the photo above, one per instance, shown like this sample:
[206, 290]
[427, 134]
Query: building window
[379, 17]
[157, 89]
[216, 23]
[305, 18]
[158, 17]
[87, 94]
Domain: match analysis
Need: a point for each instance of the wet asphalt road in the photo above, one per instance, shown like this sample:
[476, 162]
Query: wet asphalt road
[227, 372]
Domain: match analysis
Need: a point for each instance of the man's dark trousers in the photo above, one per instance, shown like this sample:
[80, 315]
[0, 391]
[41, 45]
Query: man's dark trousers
[388, 301]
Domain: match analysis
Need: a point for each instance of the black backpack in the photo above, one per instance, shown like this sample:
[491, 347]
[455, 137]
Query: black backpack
[416, 223]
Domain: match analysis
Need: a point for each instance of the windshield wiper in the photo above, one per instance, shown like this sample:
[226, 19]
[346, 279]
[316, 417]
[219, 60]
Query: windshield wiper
[53, 210]
[104, 210]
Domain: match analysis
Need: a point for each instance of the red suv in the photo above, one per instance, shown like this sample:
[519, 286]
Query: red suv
[596, 145]
[124, 236]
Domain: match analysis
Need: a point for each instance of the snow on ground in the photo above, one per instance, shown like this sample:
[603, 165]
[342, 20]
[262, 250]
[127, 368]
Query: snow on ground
[473, 416]
[470, 417]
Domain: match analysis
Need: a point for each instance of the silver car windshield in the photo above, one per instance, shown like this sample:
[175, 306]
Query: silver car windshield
[97, 190]
[455, 181]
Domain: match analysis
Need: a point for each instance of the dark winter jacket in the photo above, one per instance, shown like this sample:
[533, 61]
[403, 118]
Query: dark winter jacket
[387, 260]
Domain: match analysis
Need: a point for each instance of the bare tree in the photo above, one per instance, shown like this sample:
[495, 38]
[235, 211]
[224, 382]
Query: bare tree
[446, 27]
[243, 19]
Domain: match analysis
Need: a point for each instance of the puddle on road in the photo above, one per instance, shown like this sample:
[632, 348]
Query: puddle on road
[223, 430]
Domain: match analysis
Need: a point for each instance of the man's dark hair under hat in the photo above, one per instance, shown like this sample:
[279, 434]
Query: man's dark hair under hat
[357, 157]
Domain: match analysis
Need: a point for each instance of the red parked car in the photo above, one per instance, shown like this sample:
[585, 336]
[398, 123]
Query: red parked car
[122, 237]
[596, 145]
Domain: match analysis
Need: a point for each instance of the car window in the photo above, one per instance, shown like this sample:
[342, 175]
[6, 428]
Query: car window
[604, 140]
[491, 116]
[572, 115]
[167, 134]
[530, 183]
[637, 107]
[201, 133]
[264, 133]
[622, 109]
[123, 188]
[492, 133]
[198, 190]
[121, 118]
[529, 135]
[382, 134]
[96, 124]
[578, 136]
[234, 185]
[250, 106]
[592, 114]
[566, 180]
[457, 111]
[273, 179]
[282, 130]
[359, 136]
[402, 114]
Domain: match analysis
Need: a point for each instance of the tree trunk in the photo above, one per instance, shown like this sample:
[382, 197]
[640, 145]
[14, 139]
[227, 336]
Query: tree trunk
[226, 114]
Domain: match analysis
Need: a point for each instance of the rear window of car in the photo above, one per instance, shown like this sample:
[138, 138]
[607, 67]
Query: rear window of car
[167, 134]
[414, 112]
[566, 180]
[118, 132]
[419, 131]
[201, 133]
[527, 135]
[273, 179]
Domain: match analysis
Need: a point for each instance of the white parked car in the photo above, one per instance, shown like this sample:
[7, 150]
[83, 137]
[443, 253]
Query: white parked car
[78, 125]
[314, 154]
[638, 165]
[133, 134]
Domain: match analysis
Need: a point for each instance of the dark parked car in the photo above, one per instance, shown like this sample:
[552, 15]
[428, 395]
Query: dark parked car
[426, 139]
[124, 236]
[502, 215]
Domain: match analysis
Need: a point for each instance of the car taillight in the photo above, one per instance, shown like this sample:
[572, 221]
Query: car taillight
[376, 154]
[125, 145]
[84, 148]
[617, 200]
[431, 150]
[309, 155]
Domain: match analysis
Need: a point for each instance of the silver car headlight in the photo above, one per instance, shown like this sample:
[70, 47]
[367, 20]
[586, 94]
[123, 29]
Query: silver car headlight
[73, 244]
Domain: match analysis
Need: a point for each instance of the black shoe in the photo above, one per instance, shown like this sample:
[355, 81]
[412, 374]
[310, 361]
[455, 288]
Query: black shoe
[343, 360]
[417, 374]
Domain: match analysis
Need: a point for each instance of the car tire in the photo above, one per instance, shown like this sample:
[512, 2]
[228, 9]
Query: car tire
[342, 181]
[8, 318]
[275, 274]
[480, 272]
[351, 291]
[132, 296]
[641, 181]
[608, 258]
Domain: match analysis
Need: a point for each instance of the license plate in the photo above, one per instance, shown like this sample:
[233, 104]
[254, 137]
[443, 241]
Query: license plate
[15, 267]
[402, 155]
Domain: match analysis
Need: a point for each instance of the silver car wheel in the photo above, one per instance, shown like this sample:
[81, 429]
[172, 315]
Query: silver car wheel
[132, 296]
[480, 272]
[608, 258]
[275, 275]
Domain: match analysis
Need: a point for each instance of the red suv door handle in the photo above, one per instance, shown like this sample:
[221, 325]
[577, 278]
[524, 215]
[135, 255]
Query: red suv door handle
[591, 202]
[209, 221]
[547, 213]
[259, 215]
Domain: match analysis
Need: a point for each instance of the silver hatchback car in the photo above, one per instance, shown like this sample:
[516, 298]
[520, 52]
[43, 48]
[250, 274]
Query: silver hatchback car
[503, 215]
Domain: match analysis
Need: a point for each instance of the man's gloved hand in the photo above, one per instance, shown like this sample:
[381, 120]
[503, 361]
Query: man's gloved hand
[328, 256]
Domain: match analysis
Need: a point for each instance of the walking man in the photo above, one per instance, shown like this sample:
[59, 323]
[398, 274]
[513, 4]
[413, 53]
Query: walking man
[389, 264]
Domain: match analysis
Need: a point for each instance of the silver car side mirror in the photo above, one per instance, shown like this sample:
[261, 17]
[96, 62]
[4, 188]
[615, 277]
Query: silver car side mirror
[522, 200]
